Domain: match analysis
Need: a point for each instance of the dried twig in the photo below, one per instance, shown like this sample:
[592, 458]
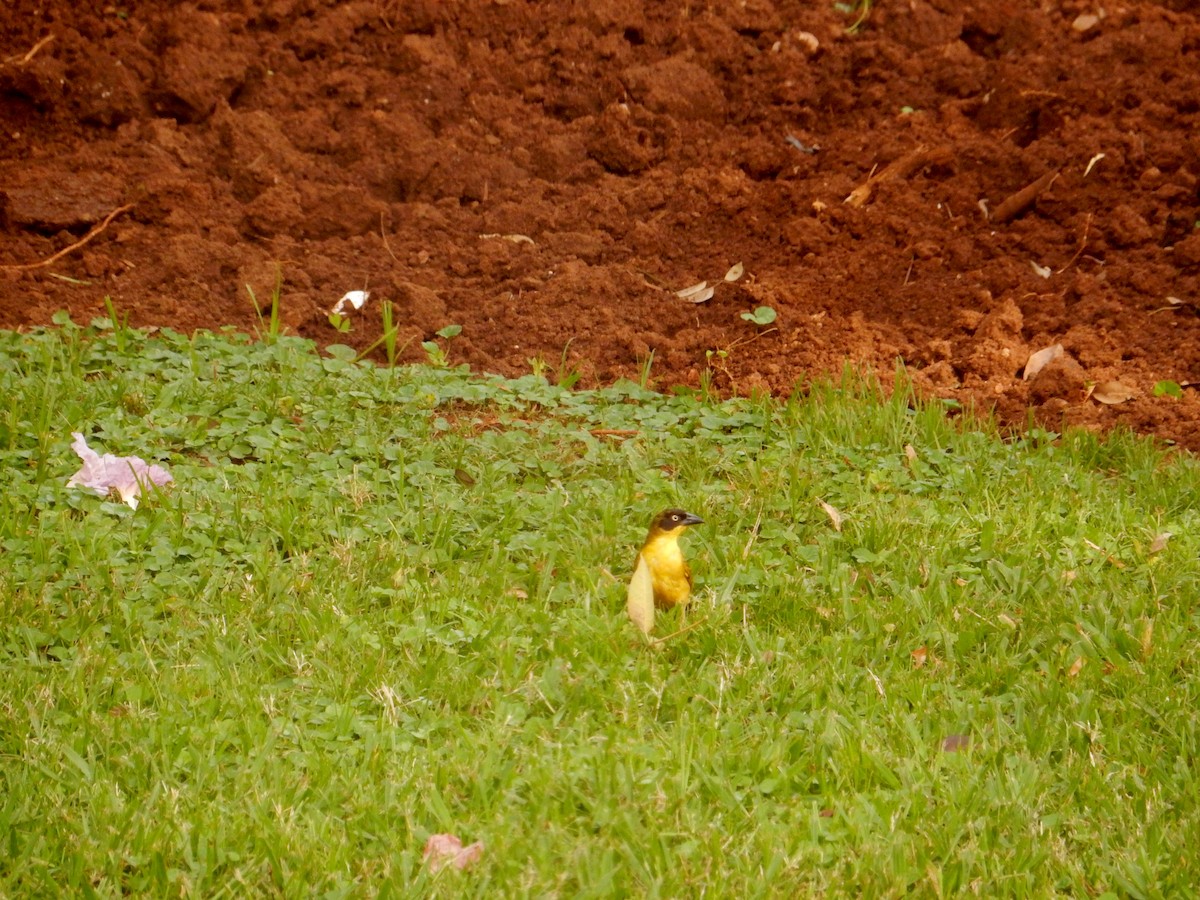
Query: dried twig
[24, 60]
[753, 534]
[899, 169]
[75, 246]
[1082, 243]
[1015, 204]
[684, 630]
[386, 245]
[878, 684]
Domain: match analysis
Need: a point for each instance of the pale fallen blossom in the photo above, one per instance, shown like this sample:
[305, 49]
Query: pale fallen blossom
[353, 298]
[447, 850]
[126, 475]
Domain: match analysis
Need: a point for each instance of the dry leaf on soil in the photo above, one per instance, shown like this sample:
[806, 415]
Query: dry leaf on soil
[735, 272]
[1112, 392]
[1091, 162]
[513, 238]
[696, 293]
[1172, 303]
[1041, 359]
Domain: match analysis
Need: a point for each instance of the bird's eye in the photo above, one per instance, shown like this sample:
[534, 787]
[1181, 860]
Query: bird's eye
[674, 518]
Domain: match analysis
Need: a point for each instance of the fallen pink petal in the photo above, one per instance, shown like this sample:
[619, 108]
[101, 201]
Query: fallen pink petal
[953, 743]
[447, 850]
[126, 475]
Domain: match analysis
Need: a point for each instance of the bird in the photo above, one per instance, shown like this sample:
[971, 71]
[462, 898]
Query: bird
[661, 576]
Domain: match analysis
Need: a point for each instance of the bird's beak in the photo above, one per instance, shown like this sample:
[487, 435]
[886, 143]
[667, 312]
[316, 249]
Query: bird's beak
[690, 519]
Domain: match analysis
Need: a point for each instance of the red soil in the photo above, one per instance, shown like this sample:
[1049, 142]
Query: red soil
[637, 148]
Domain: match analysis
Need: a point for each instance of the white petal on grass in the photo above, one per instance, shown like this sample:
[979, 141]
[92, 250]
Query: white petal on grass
[640, 601]
[735, 272]
[696, 293]
[1041, 359]
[835, 515]
[126, 475]
[353, 298]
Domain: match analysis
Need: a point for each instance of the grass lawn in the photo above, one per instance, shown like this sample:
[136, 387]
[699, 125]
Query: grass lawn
[379, 604]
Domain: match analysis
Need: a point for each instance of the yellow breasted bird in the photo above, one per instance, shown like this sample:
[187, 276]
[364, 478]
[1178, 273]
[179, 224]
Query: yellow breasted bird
[661, 577]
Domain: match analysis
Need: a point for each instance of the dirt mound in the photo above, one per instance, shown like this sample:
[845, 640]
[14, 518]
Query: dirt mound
[954, 184]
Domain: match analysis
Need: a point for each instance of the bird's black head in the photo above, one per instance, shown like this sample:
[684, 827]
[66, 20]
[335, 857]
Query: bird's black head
[670, 519]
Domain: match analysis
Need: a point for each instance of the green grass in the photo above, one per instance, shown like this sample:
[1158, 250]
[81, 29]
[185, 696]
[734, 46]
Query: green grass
[383, 603]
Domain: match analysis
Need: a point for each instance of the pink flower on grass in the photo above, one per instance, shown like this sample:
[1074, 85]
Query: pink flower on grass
[447, 850]
[126, 475]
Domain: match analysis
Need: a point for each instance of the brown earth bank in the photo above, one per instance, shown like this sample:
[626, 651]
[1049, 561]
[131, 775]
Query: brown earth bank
[953, 184]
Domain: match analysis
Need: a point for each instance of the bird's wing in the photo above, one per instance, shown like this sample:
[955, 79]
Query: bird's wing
[640, 601]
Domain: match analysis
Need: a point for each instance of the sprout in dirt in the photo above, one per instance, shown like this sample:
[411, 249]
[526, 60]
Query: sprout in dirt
[434, 352]
[763, 315]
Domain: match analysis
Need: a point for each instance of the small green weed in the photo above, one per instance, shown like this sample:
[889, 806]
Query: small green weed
[565, 376]
[438, 355]
[271, 328]
[118, 324]
[645, 366]
[761, 316]
[391, 351]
